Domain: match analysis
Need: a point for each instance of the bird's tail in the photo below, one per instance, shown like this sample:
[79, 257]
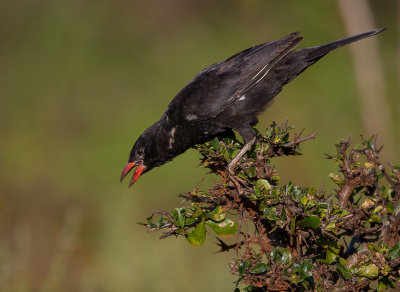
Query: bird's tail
[320, 51]
[299, 60]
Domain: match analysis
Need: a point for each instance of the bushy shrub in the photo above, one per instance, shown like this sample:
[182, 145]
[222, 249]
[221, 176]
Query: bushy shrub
[294, 238]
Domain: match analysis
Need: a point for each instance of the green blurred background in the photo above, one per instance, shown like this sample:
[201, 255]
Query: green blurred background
[80, 80]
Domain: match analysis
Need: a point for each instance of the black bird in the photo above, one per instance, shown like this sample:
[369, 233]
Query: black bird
[226, 96]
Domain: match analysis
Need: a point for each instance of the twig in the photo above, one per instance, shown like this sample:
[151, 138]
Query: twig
[298, 140]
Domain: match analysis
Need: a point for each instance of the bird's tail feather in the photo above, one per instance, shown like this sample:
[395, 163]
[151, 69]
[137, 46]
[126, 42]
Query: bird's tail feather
[320, 51]
[299, 60]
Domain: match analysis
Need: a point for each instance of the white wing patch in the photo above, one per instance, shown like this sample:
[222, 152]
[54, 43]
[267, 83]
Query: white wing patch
[191, 117]
[172, 137]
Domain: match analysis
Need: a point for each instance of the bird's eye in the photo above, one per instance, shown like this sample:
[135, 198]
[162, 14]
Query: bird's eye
[139, 152]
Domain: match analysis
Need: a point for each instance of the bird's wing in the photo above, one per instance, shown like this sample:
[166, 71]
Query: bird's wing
[256, 65]
[218, 86]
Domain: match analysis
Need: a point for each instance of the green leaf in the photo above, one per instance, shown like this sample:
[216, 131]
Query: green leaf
[298, 192]
[311, 221]
[334, 247]
[305, 268]
[394, 252]
[198, 236]
[160, 221]
[263, 183]
[179, 216]
[331, 227]
[375, 218]
[242, 269]
[285, 138]
[198, 212]
[381, 286]
[370, 271]
[343, 262]
[226, 140]
[269, 213]
[251, 171]
[234, 152]
[215, 144]
[322, 207]
[330, 257]
[149, 221]
[258, 268]
[281, 255]
[243, 176]
[386, 269]
[384, 284]
[372, 247]
[332, 254]
[390, 208]
[343, 271]
[303, 200]
[370, 145]
[190, 220]
[386, 192]
[336, 178]
[275, 180]
[226, 227]
[293, 225]
[217, 214]
[227, 156]
[378, 209]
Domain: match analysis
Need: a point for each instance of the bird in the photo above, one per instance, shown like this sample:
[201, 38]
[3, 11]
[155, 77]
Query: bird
[226, 96]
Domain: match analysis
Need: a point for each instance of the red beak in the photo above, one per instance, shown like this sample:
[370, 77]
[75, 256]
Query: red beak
[137, 173]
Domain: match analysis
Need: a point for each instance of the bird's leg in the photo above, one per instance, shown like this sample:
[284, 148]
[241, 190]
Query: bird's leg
[235, 160]
[249, 138]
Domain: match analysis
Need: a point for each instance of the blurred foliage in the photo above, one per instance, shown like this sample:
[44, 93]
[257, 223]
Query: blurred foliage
[303, 239]
[80, 80]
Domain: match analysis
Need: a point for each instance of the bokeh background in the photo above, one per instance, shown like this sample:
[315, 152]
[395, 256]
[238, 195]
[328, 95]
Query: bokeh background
[81, 79]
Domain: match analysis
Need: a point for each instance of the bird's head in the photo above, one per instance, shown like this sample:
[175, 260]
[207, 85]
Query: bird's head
[146, 153]
[139, 158]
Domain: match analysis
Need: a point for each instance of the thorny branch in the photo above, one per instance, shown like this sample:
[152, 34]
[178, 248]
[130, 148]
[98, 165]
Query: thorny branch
[292, 238]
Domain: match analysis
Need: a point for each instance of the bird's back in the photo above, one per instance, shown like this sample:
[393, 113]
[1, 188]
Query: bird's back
[239, 88]
[217, 89]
